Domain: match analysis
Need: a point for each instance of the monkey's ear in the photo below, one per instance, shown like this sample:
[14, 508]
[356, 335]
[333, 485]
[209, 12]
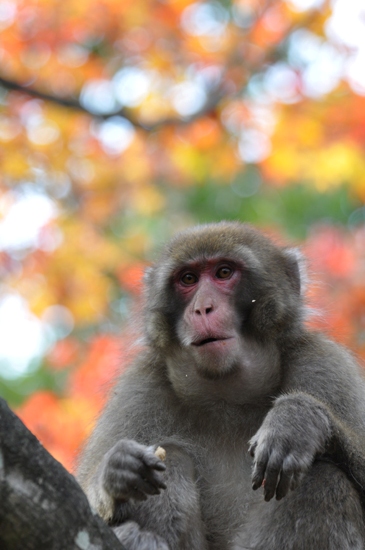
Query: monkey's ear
[296, 269]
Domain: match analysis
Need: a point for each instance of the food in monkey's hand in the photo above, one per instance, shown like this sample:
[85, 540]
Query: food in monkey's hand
[160, 453]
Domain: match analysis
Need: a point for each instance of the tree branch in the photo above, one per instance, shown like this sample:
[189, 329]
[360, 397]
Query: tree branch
[42, 507]
[214, 97]
[210, 105]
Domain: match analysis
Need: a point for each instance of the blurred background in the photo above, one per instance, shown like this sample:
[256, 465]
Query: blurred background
[122, 122]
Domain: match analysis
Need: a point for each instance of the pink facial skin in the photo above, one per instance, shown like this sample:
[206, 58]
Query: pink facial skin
[207, 288]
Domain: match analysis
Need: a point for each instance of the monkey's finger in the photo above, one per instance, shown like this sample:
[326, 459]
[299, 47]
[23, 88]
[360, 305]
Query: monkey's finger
[152, 461]
[283, 486]
[137, 463]
[271, 480]
[258, 474]
[131, 485]
[144, 486]
[124, 485]
[252, 448]
[129, 462]
[153, 477]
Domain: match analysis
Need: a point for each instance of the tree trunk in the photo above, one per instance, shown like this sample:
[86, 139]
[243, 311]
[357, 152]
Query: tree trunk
[42, 507]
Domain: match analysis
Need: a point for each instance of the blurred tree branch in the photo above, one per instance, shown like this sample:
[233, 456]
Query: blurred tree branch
[220, 91]
[210, 105]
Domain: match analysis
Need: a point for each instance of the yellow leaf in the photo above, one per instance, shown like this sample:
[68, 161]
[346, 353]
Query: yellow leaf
[14, 165]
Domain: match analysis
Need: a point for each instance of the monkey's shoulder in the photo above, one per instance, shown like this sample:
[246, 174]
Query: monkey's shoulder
[317, 354]
[314, 363]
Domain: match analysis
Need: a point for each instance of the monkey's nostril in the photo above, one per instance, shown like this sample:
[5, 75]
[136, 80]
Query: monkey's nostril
[204, 310]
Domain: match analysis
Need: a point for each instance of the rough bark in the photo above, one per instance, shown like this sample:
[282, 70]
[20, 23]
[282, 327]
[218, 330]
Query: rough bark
[42, 507]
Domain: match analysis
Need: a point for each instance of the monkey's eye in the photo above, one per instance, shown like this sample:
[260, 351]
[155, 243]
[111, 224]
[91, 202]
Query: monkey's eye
[189, 279]
[224, 272]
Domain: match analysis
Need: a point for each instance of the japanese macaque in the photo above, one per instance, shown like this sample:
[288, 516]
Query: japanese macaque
[262, 420]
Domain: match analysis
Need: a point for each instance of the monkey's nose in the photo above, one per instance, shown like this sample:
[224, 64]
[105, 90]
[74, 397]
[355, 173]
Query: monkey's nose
[205, 310]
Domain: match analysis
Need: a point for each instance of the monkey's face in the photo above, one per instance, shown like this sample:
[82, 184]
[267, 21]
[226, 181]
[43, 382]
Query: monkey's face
[214, 349]
[218, 302]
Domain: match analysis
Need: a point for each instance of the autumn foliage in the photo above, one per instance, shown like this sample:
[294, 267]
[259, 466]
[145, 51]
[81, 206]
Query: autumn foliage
[122, 122]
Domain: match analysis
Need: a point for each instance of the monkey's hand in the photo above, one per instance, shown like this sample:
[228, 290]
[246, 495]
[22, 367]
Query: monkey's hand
[130, 470]
[293, 433]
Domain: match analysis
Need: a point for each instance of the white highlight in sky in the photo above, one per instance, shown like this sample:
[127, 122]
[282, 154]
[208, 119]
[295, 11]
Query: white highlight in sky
[23, 336]
[131, 86]
[23, 221]
[304, 5]
[7, 13]
[281, 83]
[188, 98]
[356, 72]
[98, 97]
[253, 146]
[204, 19]
[347, 25]
[42, 132]
[324, 73]
[115, 134]
[347, 22]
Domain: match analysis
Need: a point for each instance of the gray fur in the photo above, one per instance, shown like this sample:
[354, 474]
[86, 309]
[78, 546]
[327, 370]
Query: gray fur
[286, 405]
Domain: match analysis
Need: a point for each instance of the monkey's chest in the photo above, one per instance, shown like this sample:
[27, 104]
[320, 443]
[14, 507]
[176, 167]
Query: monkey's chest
[224, 480]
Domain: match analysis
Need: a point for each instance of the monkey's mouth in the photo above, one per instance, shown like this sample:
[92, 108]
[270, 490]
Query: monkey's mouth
[205, 341]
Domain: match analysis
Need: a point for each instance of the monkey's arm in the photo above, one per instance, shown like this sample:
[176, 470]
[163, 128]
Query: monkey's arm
[293, 433]
[338, 382]
[126, 493]
[119, 454]
[119, 458]
[320, 415]
[299, 429]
